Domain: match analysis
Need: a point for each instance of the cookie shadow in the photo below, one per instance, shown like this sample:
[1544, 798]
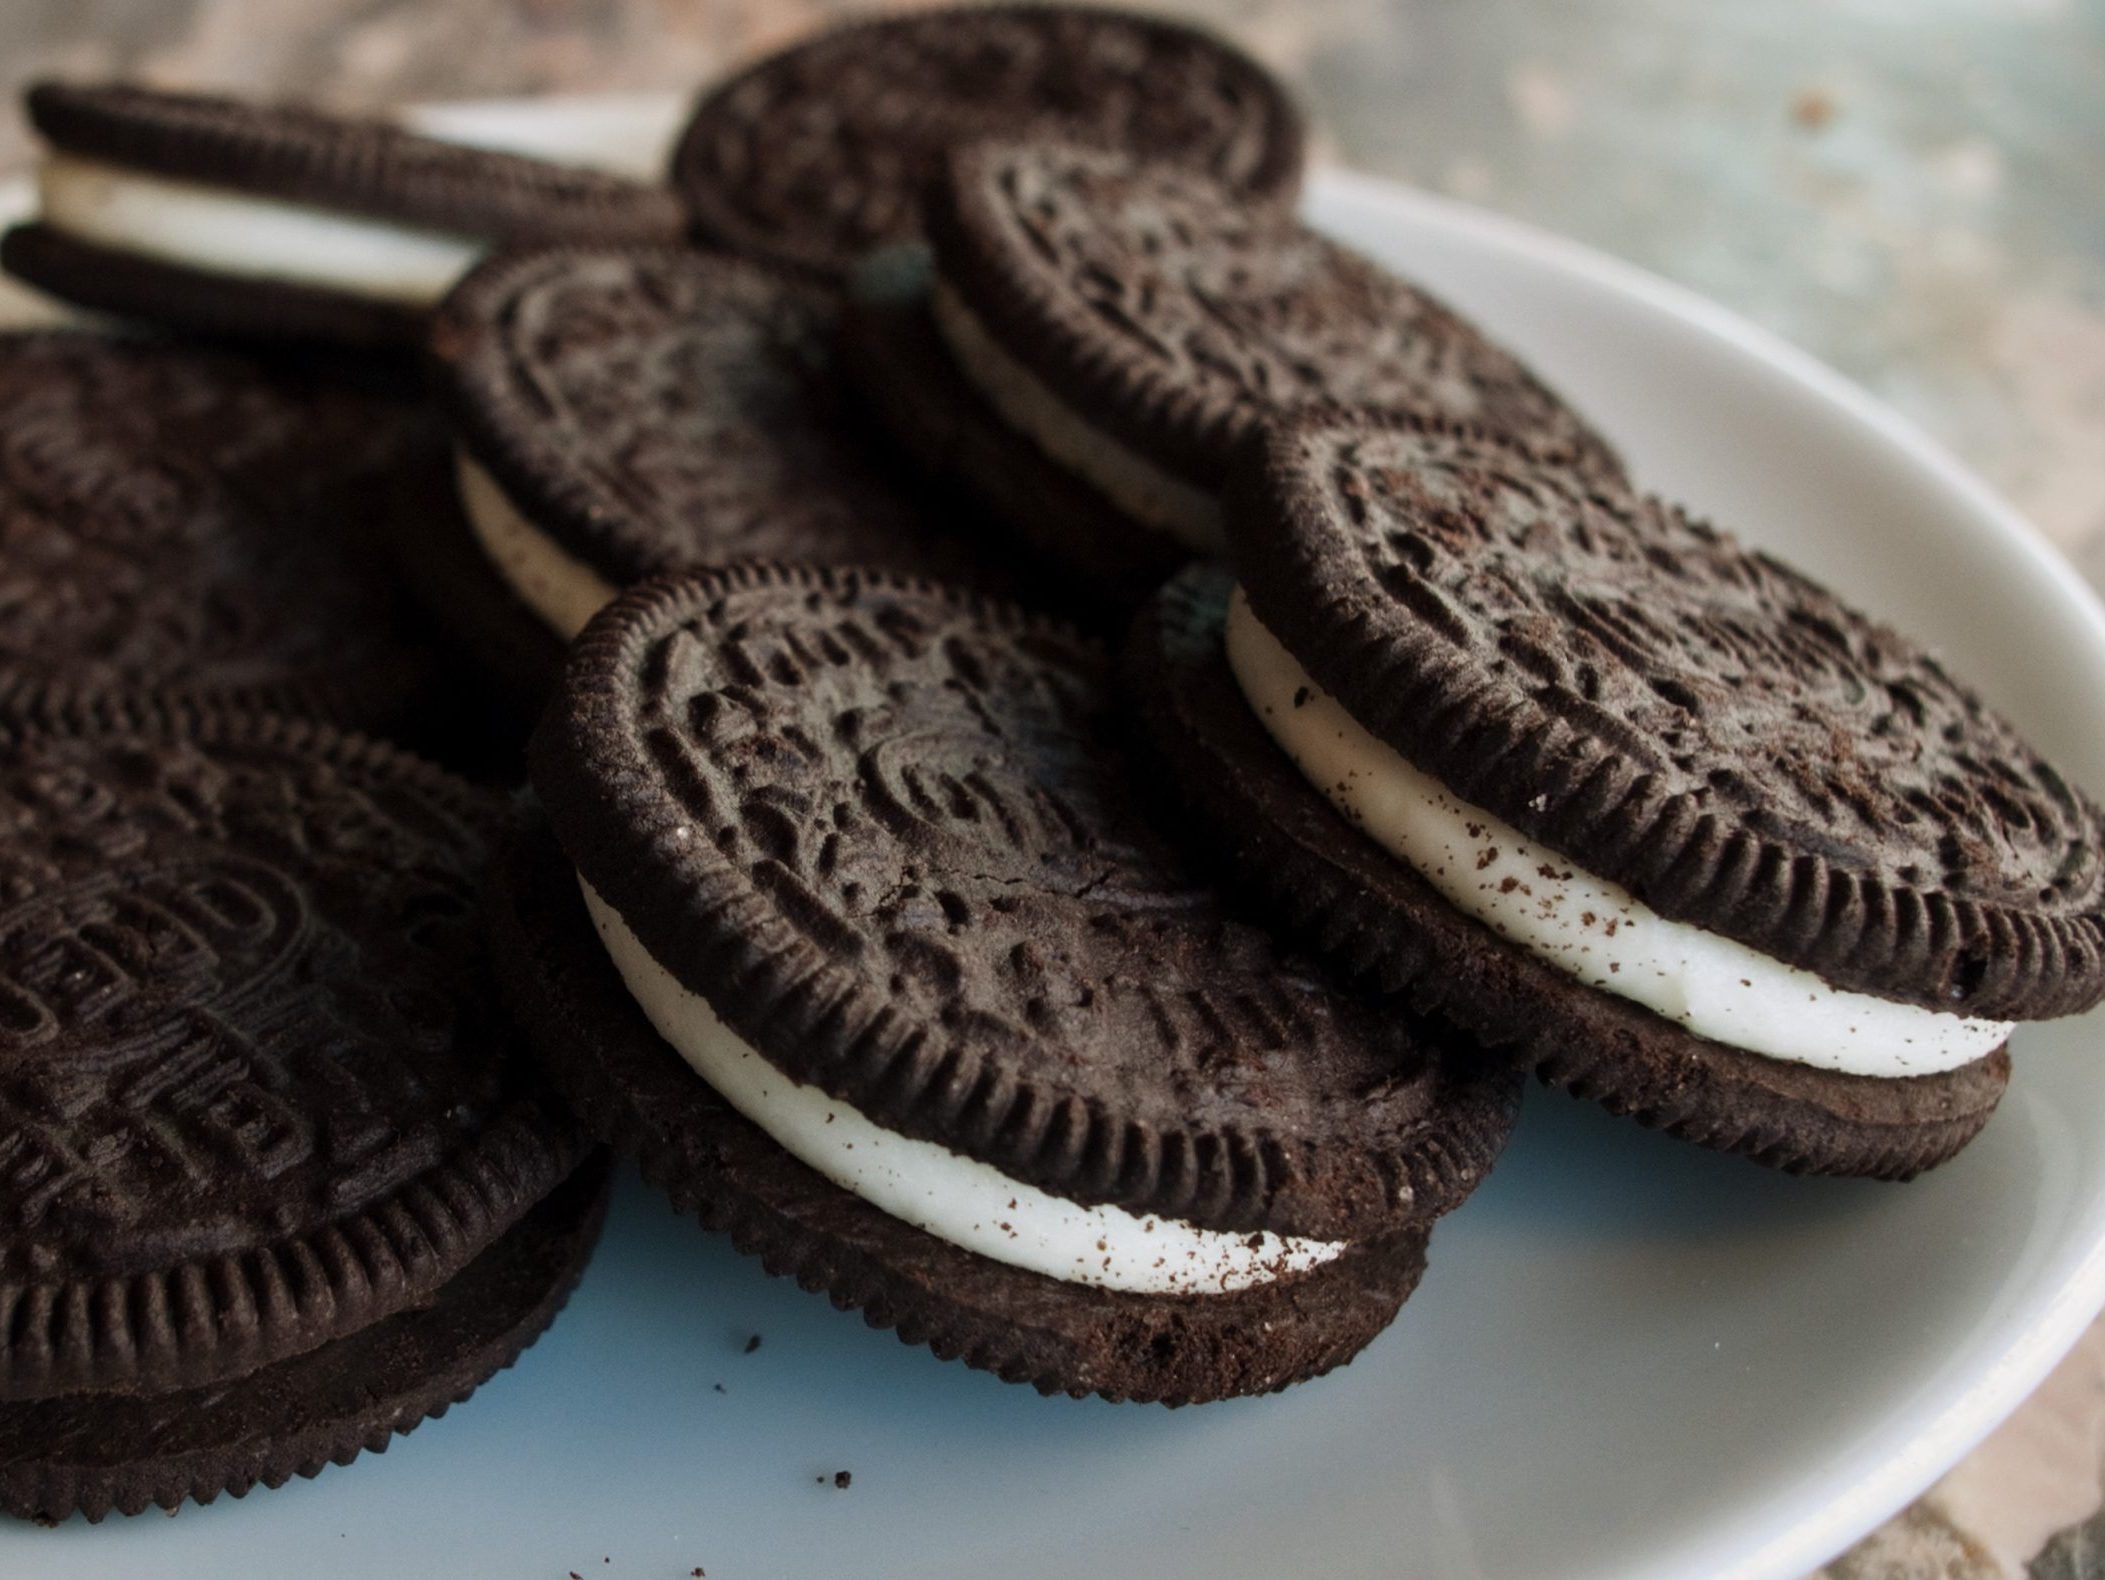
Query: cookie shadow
[1572, 1168]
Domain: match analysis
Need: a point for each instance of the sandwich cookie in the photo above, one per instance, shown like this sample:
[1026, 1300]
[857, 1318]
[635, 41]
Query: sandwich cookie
[816, 155]
[278, 1181]
[196, 526]
[851, 930]
[629, 412]
[1694, 837]
[278, 222]
[1124, 330]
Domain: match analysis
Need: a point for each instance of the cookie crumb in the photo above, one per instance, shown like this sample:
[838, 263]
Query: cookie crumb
[841, 1479]
[1813, 109]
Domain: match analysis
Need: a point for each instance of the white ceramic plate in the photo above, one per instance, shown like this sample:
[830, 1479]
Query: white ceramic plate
[1631, 1360]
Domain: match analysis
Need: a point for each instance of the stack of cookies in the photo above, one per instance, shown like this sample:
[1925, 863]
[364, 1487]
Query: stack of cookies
[1073, 740]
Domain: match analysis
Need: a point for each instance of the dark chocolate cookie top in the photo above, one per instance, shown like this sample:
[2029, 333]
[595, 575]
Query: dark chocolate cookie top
[362, 165]
[885, 829]
[658, 409]
[1679, 713]
[818, 154]
[1183, 318]
[188, 523]
[253, 1091]
[185, 523]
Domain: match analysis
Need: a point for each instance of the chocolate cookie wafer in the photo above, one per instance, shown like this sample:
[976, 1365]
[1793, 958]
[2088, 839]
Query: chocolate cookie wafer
[818, 154]
[1696, 837]
[82, 1453]
[275, 1158]
[626, 412]
[852, 930]
[280, 222]
[195, 525]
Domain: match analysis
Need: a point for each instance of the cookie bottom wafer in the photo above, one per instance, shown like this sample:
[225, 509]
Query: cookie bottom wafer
[632, 1090]
[223, 306]
[92, 1454]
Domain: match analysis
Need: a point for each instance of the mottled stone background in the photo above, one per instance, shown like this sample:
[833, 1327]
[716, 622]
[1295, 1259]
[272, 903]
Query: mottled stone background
[1914, 190]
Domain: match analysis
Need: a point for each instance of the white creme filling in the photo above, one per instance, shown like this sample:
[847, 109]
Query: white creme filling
[224, 231]
[1595, 930]
[1146, 492]
[563, 590]
[968, 1203]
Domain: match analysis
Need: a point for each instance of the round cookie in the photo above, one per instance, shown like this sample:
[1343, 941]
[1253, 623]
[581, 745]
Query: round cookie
[1695, 836]
[816, 155]
[281, 222]
[626, 412]
[258, 1098]
[94, 1454]
[197, 526]
[1137, 326]
[631, 1089]
[1352, 901]
[1681, 714]
[992, 1060]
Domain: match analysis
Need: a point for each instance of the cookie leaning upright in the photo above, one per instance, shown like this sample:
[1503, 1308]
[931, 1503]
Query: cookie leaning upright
[816, 155]
[852, 929]
[279, 222]
[1705, 842]
[196, 526]
[1092, 340]
[279, 1183]
[624, 412]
